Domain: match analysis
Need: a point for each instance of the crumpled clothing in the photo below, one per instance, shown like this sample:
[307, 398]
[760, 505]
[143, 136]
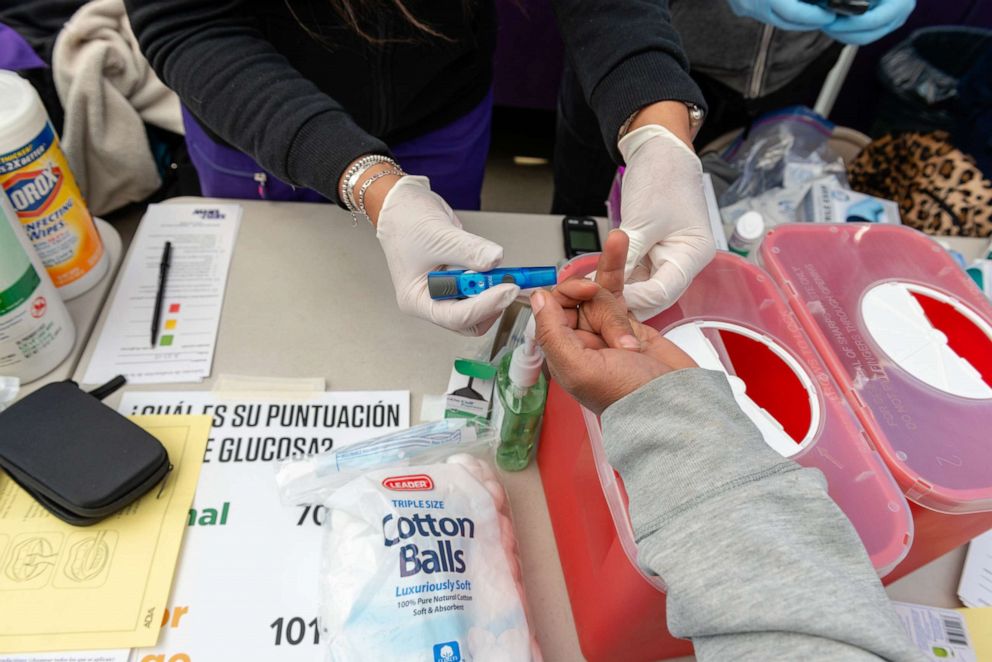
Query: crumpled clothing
[109, 92]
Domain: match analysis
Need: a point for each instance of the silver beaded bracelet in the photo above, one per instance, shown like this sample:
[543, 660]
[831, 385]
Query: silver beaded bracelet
[354, 174]
[365, 187]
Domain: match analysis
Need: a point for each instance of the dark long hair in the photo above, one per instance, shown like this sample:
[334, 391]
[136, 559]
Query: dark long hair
[356, 13]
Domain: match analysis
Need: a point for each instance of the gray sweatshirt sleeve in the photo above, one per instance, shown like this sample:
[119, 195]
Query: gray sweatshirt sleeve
[759, 562]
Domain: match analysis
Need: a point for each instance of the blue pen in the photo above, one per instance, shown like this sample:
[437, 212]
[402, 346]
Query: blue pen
[461, 284]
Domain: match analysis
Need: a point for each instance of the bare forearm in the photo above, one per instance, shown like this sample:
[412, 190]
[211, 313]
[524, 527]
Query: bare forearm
[673, 115]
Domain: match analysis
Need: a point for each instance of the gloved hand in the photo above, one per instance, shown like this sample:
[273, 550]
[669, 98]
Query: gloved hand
[793, 15]
[884, 17]
[419, 233]
[664, 214]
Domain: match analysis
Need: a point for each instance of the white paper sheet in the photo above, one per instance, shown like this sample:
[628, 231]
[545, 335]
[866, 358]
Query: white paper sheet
[246, 587]
[975, 589]
[202, 239]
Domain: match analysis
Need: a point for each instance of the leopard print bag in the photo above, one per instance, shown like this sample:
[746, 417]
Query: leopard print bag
[939, 189]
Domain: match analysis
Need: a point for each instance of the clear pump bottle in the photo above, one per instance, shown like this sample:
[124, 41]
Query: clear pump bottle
[521, 391]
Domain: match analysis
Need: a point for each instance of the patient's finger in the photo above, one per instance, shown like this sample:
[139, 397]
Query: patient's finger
[610, 268]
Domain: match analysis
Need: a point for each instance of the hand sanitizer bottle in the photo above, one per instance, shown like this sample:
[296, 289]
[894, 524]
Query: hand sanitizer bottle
[521, 391]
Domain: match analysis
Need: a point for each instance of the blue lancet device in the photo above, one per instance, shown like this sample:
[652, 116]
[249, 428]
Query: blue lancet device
[461, 284]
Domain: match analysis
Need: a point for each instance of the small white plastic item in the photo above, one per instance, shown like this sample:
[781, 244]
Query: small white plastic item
[525, 366]
[747, 231]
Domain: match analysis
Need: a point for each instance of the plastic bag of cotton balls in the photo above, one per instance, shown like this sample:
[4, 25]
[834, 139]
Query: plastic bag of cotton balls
[420, 565]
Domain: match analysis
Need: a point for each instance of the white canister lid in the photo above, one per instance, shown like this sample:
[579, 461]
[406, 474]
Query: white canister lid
[750, 226]
[22, 115]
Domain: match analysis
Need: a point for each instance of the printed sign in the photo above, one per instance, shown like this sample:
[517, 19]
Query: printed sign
[247, 583]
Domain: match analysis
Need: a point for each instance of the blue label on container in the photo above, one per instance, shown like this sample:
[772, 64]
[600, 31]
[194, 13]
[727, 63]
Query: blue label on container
[28, 152]
[447, 652]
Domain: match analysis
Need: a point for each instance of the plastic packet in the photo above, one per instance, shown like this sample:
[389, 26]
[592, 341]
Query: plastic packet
[315, 477]
[785, 149]
[419, 562]
[926, 68]
[778, 205]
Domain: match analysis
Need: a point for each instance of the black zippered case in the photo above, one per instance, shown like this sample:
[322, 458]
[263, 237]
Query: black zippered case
[77, 457]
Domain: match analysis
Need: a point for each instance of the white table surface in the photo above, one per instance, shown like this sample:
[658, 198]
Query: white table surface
[309, 296]
[84, 310]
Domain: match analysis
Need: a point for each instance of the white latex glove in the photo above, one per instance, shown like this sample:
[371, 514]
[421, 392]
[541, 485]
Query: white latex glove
[419, 233]
[664, 213]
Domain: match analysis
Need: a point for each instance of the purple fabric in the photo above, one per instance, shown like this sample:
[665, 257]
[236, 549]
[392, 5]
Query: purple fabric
[224, 172]
[452, 157]
[15, 53]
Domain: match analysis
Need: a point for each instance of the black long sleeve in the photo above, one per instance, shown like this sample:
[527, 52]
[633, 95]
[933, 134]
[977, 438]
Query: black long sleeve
[305, 100]
[626, 55]
[230, 76]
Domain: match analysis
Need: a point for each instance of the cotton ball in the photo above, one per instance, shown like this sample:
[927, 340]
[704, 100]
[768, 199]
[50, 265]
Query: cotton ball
[348, 535]
[496, 598]
[492, 654]
[522, 595]
[487, 470]
[514, 643]
[509, 541]
[479, 640]
[497, 492]
[476, 474]
[515, 568]
[346, 540]
[338, 519]
[470, 463]
[487, 650]
[488, 611]
[463, 459]
[506, 532]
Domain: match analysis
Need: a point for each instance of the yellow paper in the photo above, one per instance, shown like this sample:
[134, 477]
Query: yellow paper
[104, 586]
[979, 620]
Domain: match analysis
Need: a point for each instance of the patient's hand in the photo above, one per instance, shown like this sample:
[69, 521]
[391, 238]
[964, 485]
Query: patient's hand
[596, 351]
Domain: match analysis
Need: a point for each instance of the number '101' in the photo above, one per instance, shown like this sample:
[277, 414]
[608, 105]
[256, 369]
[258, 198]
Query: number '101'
[294, 631]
